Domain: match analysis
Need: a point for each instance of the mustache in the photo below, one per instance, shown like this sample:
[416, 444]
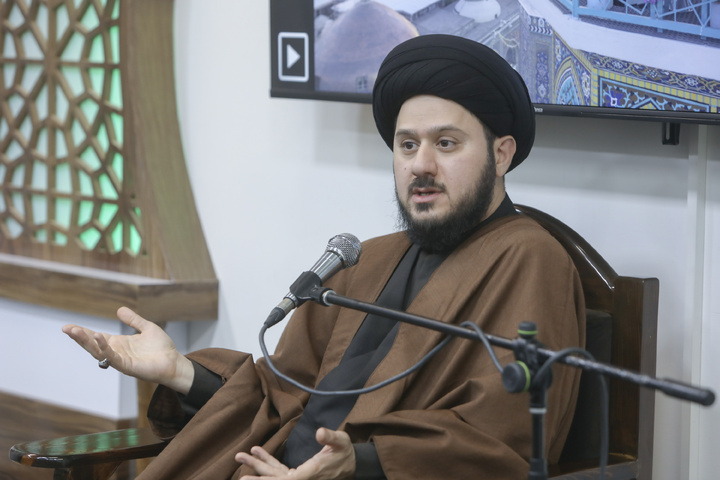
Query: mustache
[425, 182]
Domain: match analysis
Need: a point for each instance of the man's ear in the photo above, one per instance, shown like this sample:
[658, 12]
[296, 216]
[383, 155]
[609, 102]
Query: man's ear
[504, 152]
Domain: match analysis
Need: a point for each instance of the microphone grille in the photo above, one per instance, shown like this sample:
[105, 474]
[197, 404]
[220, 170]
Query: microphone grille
[347, 247]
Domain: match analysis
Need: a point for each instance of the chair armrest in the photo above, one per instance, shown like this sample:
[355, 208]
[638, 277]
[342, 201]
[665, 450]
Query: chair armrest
[92, 449]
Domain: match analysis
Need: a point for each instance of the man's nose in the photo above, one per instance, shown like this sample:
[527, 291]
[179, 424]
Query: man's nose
[425, 162]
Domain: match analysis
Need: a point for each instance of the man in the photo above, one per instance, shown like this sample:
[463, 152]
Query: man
[457, 118]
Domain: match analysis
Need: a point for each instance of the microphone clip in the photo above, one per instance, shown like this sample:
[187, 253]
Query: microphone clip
[319, 293]
[523, 375]
[302, 287]
[520, 376]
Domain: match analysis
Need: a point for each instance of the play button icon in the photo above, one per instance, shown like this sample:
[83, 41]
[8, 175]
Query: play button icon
[293, 60]
[291, 56]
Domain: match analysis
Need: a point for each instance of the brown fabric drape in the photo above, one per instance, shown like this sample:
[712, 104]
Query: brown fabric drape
[453, 418]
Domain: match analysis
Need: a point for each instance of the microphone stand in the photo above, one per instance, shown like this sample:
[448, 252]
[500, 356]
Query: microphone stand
[522, 375]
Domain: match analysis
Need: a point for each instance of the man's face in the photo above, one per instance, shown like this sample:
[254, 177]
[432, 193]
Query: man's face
[444, 171]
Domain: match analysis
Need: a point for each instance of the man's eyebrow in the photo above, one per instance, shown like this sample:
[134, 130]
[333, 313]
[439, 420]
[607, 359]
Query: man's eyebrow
[433, 130]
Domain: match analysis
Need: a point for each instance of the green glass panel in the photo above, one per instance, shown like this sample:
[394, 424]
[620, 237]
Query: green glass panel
[62, 22]
[107, 189]
[85, 212]
[90, 20]
[39, 176]
[91, 159]
[42, 142]
[86, 186]
[107, 213]
[97, 78]
[117, 166]
[18, 203]
[15, 18]
[2, 203]
[41, 102]
[117, 237]
[73, 49]
[60, 239]
[42, 19]
[63, 178]
[41, 235]
[97, 50]
[31, 75]
[61, 104]
[14, 150]
[60, 145]
[115, 43]
[78, 133]
[39, 209]
[73, 76]
[135, 240]
[26, 128]
[90, 109]
[102, 137]
[18, 176]
[3, 128]
[116, 90]
[118, 125]
[14, 228]
[90, 238]
[9, 47]
[15, 102]
[116, 9]
[63, 212]
[3, 170]
[30, 46]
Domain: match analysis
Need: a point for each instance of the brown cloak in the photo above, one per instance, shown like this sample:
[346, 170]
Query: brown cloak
[453, 418]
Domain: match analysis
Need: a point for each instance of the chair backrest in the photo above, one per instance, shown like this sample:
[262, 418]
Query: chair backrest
[622, 331]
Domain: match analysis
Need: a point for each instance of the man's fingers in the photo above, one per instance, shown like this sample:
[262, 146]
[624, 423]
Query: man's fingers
[256, 464]
[79, 334]
[263, 455]
[132, 319]
[105, 350]
[85, 338]
[262, 462]
[332, 438]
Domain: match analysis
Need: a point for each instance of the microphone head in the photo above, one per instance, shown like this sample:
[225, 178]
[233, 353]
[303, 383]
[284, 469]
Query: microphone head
[347, 247]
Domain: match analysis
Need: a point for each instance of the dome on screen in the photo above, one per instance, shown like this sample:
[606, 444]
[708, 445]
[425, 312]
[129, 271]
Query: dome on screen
[350, 49]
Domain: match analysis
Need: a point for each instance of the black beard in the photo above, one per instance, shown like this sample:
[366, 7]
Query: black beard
[444, 234]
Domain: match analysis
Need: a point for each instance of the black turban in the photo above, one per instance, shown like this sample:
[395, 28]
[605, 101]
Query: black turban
[461, 70]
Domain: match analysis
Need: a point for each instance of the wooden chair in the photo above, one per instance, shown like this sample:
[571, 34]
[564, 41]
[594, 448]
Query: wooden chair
[622, 331]
[622, 324]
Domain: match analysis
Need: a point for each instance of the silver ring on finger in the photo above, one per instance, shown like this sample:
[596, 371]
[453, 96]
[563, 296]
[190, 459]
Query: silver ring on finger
[104, 363]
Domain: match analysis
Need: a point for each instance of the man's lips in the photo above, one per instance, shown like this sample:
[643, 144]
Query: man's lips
[425, 195]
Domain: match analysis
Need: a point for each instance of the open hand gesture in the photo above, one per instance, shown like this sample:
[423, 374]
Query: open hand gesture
[148, 355]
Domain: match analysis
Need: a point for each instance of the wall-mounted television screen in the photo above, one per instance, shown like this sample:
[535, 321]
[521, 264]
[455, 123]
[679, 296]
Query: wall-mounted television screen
[653, 59]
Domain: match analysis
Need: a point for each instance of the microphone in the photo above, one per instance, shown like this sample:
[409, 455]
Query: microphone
[342, 251]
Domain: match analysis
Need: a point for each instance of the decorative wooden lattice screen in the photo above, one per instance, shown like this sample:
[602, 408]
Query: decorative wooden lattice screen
[96, 209]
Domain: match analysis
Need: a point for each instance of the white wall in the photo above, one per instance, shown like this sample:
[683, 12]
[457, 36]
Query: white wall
[274, 179]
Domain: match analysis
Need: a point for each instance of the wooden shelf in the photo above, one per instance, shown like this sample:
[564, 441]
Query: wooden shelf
[100, 293]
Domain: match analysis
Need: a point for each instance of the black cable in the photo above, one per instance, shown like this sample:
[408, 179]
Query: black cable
[544, 370]
[483, 338]
[358, 391]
